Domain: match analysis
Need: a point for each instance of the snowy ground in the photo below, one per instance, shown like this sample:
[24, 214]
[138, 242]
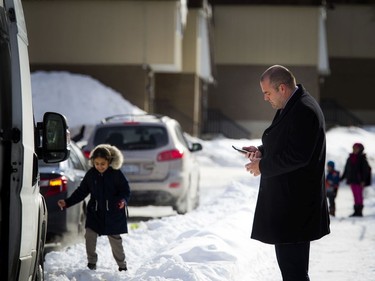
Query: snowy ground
[213, 242]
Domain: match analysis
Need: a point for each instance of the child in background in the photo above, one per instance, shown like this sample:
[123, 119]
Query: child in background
[332, 185]
[358, 175]
[106, 210]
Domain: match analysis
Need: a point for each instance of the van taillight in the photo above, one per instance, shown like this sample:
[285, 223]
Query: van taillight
[169, 155]
[53, 186]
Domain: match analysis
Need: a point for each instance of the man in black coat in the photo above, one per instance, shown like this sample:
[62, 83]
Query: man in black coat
[291, 208]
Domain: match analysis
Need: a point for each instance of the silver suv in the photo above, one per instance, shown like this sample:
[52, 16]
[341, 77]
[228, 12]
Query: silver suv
[159, 161]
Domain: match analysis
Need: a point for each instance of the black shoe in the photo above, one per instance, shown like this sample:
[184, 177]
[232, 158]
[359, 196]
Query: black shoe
[92, 266]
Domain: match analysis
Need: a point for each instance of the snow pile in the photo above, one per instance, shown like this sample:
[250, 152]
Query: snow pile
[82, 99]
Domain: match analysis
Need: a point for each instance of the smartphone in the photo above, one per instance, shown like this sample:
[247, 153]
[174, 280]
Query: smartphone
[240, 149]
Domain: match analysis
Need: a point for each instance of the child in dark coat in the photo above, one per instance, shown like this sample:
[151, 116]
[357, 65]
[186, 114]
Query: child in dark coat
[356, 172]
[106, 210]
[332, 185]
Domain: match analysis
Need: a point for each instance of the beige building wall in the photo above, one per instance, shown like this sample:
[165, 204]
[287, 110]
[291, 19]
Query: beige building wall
[249, 39]
[266, 35]
[105, 32]
[127, 45]
[124, 44]
[351, 45]
[351, 30]
[179, 96]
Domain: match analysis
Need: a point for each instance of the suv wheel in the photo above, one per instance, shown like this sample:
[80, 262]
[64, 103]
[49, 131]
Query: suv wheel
[186, 204]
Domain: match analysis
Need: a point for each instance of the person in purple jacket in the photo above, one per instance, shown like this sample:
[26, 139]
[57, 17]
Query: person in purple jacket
[357, 174]
[106, 210]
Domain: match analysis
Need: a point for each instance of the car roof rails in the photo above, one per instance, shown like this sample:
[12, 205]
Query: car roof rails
[130, 117]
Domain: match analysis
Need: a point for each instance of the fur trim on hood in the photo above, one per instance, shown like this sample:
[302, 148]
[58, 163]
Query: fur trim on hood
[116, 155]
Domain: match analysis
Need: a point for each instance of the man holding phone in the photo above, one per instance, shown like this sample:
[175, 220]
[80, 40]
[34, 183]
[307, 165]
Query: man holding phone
[292, 207]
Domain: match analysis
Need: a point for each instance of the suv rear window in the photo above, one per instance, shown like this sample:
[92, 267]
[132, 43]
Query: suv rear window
[132, 137]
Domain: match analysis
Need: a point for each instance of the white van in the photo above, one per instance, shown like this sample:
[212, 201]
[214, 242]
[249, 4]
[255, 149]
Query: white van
[23, 213]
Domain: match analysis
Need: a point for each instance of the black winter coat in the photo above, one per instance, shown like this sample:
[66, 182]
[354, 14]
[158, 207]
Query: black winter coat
[107, 190]
[356, 169]
[292, 204]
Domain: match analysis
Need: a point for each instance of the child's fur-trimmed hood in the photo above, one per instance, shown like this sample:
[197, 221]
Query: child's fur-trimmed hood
[117, 157]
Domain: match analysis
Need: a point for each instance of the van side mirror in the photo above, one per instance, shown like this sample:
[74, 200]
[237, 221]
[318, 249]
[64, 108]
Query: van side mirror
[53, 138]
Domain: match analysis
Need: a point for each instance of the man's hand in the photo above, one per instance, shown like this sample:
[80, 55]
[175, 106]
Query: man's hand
[250, 148]
[253, 167]
[253, 152]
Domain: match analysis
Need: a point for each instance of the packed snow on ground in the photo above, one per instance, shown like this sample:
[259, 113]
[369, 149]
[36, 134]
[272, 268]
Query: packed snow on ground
[213, 242]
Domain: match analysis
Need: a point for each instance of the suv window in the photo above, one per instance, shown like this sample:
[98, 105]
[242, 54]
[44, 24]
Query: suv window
[132, 137]
[180, 136]
[75, 161]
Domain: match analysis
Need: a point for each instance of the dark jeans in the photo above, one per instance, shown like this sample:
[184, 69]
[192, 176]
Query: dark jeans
[293, 260]
[331, 195]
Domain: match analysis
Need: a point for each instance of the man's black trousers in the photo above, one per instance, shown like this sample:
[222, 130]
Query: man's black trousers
[293, 260]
